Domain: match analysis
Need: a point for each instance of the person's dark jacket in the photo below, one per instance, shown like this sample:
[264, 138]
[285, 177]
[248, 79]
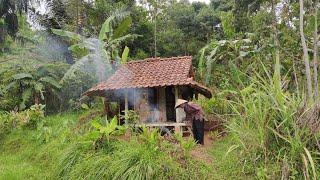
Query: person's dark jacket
[193, 112]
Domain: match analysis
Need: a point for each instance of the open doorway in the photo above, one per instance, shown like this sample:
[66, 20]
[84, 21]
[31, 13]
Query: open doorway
[170, 103]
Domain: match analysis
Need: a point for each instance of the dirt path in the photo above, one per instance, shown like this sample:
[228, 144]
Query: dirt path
[201, 151]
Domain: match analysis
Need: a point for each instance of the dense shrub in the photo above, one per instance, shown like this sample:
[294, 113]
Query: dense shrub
[29, 118]
[270, 140]
[5, 123]
[218, 104]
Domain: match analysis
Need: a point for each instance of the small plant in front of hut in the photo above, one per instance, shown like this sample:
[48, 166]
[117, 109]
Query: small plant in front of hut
[186, 144]
[131, 117]
[106, 131]
[150, 137]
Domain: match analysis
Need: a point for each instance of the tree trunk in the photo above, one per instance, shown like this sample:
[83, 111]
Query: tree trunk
[77, 16]
[36, 99]
[315, 52]
[305, 54]
[295, 76]
[155, 28]
[276, 76]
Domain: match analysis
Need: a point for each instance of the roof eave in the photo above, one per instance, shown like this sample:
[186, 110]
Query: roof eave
[198, 87]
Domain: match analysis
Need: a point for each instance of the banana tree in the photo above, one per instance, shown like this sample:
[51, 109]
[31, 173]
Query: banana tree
[33, 85]
[221, 55]
[87, 50]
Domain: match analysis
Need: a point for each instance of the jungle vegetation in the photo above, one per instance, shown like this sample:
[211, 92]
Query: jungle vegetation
[259, 57]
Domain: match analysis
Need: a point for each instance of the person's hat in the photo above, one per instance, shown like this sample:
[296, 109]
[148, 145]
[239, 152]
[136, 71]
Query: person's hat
[179, 102]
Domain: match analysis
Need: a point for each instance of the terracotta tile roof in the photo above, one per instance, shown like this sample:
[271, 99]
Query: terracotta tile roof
[152, 72]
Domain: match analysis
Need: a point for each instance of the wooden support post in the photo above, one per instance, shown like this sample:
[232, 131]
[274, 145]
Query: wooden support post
[126, 106]
[177, 129]
[196, 95]
[176, 93]
[176, 97]
[106, 107]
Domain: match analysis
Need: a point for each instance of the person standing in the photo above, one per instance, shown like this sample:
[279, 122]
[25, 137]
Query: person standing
[194, 117]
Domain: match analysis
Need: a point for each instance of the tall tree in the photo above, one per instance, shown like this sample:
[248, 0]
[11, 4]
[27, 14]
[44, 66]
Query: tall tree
[155, 8]
[277, 77]
[305, 51]
[315, 51]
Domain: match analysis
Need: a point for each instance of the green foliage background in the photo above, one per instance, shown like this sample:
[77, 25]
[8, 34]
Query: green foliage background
[250, 57]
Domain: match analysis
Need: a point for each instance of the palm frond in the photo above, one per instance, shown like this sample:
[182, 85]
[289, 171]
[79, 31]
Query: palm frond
[67, 34]
[124, 55]
[10, 85]
[51, 81]
[22, 76]
[122, 27]
[107, 27]
[70, 74]
[116, 42]
[26, 95]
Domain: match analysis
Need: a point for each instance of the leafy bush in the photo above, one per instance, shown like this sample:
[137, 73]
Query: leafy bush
[28, 118]
[138, 161]
[131, 116]
[93, 166]
[109, 129]
[218, 104]
[5, 123]
[270, 142]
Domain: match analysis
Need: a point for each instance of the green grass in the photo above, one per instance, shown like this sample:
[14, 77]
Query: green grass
[23, 155]
[226, 163]
[18, 155]
[39, 154]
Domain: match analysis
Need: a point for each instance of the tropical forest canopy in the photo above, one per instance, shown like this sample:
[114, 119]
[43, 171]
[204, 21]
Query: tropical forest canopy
[229, 41]
[259, 58]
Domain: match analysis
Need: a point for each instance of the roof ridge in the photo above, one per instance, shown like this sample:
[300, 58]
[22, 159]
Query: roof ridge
[160, 59]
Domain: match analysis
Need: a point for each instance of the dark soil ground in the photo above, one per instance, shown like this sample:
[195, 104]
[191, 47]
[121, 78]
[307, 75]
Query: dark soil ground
[201, 151]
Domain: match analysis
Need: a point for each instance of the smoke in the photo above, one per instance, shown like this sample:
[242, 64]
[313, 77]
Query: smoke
[147, 109]
[155, 115]
[52, 48]
[96, 62]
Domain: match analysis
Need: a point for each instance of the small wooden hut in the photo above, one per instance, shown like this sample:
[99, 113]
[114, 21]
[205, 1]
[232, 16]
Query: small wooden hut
[151, 88]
